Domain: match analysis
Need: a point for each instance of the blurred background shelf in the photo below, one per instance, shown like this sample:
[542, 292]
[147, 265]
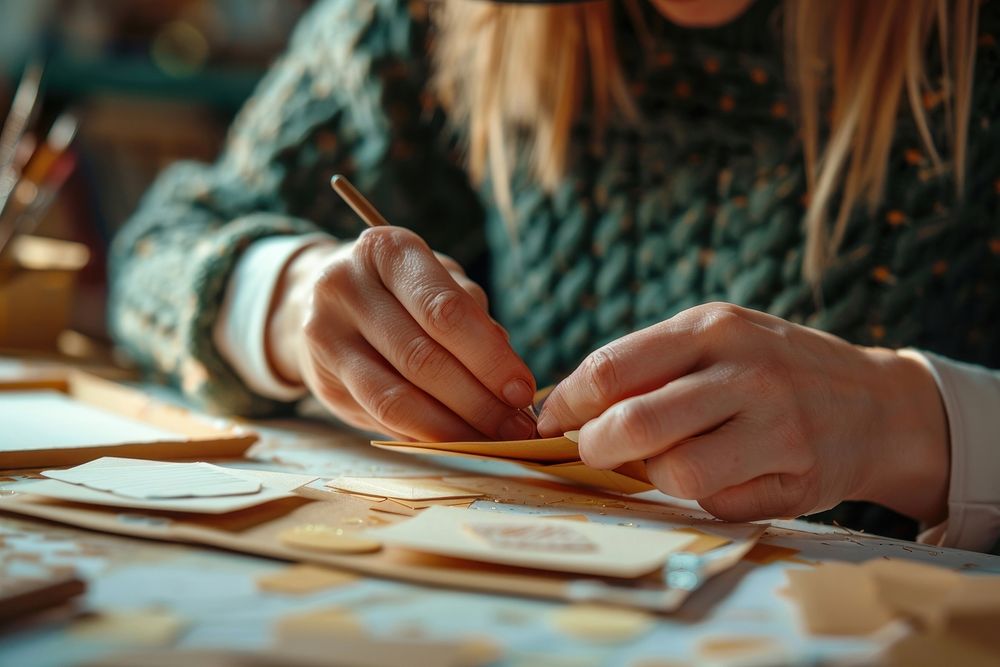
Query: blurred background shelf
[153, 82]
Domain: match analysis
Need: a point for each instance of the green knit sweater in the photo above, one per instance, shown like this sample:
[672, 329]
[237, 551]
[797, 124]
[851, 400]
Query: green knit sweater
[703, 200]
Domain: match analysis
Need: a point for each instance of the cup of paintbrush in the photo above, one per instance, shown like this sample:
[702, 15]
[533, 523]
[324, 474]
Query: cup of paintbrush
[41, 179]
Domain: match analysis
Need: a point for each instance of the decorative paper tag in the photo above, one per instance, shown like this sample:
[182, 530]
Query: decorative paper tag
[561, 545]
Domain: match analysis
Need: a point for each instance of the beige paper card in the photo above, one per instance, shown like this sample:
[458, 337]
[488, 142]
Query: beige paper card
[534, 542]
[156, 480]
[401, 488]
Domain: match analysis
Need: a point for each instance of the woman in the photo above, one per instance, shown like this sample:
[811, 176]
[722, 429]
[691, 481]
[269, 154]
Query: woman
[633, 165]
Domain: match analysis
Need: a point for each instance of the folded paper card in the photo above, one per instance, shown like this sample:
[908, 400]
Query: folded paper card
[114, 473]
[540, 450]
[401, 488]
[559, 457]
[157, 480]
[535, 542]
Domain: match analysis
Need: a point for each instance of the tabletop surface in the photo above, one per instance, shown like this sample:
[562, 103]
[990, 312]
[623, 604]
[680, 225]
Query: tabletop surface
[213, 600]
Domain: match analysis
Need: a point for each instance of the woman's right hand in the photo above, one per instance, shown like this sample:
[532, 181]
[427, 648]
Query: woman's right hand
[394, 338]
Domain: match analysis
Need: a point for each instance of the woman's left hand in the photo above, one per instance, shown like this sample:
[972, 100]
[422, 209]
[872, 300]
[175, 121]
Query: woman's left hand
[756, 417]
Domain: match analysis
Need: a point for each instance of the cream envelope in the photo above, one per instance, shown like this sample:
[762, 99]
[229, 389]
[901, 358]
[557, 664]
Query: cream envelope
[559, 457]
[561, 545]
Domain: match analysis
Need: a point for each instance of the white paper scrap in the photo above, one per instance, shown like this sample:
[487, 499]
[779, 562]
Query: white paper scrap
[157, 479]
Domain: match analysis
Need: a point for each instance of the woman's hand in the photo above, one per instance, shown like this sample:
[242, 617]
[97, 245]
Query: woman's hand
[757, 418]
[395, 339]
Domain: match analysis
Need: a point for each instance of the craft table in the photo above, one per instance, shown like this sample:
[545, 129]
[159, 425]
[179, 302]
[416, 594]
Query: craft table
[185, 598]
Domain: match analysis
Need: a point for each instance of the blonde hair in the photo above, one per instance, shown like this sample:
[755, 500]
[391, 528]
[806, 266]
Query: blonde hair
[517, 75]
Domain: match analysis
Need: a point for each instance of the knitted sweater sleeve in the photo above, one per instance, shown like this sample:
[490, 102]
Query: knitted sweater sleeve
[346, 97]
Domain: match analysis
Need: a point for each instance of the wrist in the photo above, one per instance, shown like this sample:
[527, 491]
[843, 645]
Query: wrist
[909, 467]
[286, 315]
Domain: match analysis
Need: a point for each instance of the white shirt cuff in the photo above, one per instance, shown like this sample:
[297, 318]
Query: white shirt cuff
[971, 396]
[241, 325]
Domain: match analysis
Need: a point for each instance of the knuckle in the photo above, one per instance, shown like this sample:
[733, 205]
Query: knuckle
[476, 292]
[389, 405]
[635, 422]
[443, 308]
[423, 357]
[334, 398]
[450, 264]
[601, 375]
[333, 279]
[314, 329]
[320, 336]
[384, 244]
[720, 320]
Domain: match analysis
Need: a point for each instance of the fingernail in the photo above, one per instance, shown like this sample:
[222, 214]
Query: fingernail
[547, 424]
[517, 427]
[517, 393]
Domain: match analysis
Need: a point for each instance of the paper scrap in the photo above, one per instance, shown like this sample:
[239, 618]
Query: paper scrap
[150, 627]
[838, 599]
[704, 542]
[765, 554]
[401, 488]
[939, 649]
[156, 480]
[598, 623]
[303, 579]
[914, 590]
[322, 623]
[742, 650]
[454, 532]
[319, 537]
